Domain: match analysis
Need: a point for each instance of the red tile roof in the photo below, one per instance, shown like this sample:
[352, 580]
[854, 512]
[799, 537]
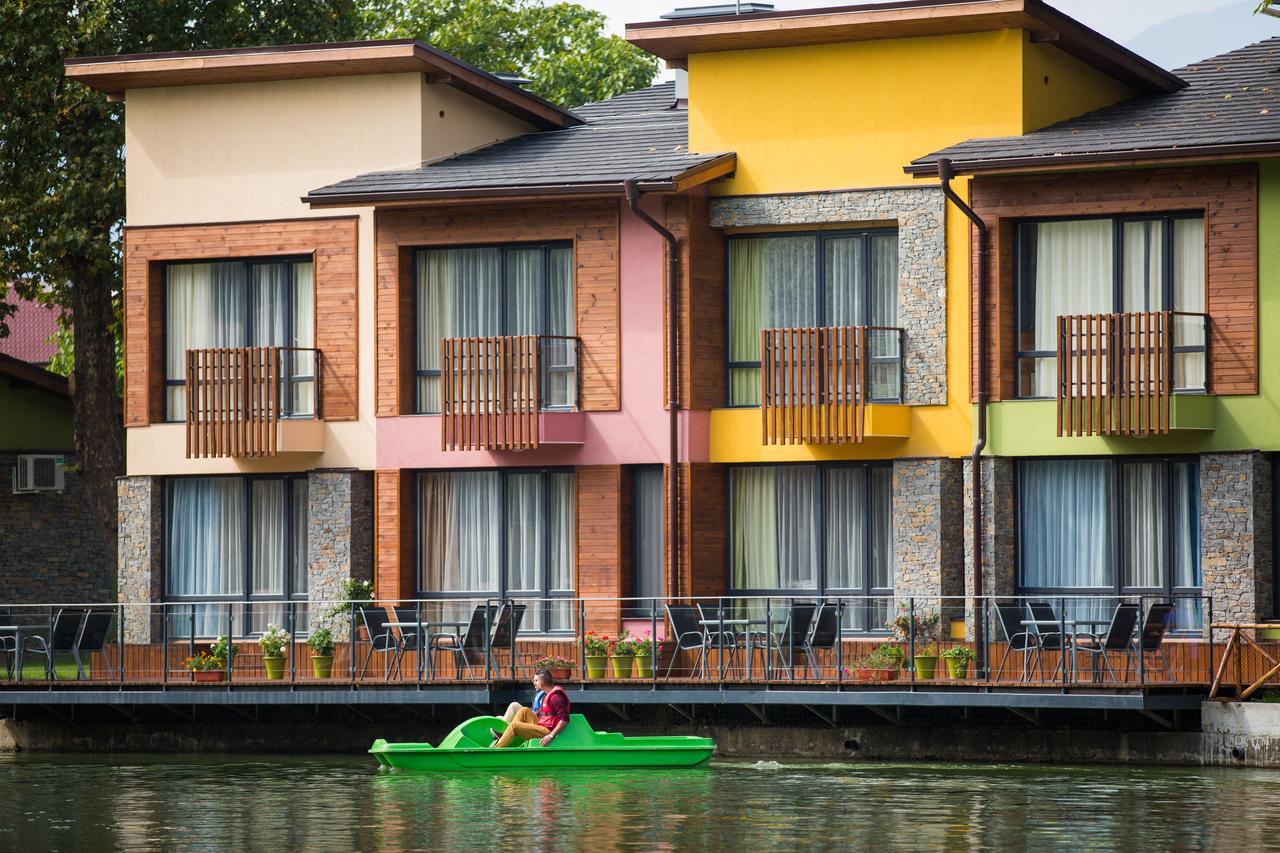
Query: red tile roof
[29, 331]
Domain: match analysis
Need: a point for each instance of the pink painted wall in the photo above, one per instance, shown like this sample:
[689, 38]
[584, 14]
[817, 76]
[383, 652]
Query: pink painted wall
[635, 435]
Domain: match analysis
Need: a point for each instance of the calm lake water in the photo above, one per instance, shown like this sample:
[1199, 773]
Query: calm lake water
[341, 803]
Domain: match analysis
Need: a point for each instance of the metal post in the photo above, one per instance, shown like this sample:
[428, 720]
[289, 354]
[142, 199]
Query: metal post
[911, 635]
[653, 637]
[119, 644]
[351, 642]
[768, 632]
[488, 643]
[293, 651]
[511, 632]
[191, 633]
[1062, 639]
[1209, 627]
[582, 639]
[981, 606]
[1142, 652]
[720, 636]
[840, 640]
[230, 642]
[420, 635]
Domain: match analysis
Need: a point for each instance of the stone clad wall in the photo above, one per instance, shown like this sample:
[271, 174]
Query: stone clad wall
[1236, 535]
[51, 550]
[928, 531]
[922, 286]
[339, 538]
[141, 553]
[999, 522]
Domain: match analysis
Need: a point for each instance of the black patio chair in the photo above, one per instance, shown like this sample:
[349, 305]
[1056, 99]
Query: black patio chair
[94, 631]
[464, 644]
[824, 634]
[506, 629]
[1150, 639]
[381, 638]
[1118, 638]
[719, 635]
[1050, 639]
[689, 635]
[1018, 637]
[408, 638]
[795, 630]
[61, 640]
[8, 641]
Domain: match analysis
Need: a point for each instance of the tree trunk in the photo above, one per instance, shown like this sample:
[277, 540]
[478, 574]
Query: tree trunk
[96, 414]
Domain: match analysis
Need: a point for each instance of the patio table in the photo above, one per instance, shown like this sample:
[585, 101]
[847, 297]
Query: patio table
[1067, 625]
[424, 629]
[729, 626]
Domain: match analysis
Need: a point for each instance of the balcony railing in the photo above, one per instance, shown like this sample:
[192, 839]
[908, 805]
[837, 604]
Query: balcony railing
[236, 398]
[1117, 372]
[816, 382]
[494, 388]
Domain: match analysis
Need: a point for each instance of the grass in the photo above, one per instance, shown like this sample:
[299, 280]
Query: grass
[33, 670]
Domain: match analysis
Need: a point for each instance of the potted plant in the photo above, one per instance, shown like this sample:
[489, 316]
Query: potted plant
[597, 654]
[321, 644]
[622, 655]
[643, 650]
[881, 665]
[354, 593]
[958, 659]
[561, 669]
[211, 665]
[274, 643]
[921, 627]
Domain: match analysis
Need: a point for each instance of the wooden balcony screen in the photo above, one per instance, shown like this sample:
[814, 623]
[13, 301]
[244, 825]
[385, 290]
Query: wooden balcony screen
[490, 397]
[233, 402]
[1116, 373]
[813, 385]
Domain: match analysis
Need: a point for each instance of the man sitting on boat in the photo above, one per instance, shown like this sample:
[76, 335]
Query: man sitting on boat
[546, 719]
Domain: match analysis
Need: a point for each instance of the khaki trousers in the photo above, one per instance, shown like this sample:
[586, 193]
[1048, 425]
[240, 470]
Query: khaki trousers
[522, 725]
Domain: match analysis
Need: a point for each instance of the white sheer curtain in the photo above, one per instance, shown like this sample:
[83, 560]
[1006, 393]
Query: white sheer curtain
[561, 381]
[526, 527]
[1189, 295]
[844, 273]
[754, 528]
[885, 377]
[459, 527]
[204, 307]
[303, 363]
[524, 291]
[648, 534]
[1142, 279]
[1065, 522]
[1144, 502]
[268, 537]
[1186, 542]
[771, 285]
[458, 295]
[1073, 275]
[797, 490]
[847, 519]
[205, 527]
[562, 538]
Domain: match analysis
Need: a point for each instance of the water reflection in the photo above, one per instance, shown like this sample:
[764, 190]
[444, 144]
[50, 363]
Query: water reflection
[341, 803]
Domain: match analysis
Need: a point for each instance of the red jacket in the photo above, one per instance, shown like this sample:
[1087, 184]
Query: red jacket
[555, 708]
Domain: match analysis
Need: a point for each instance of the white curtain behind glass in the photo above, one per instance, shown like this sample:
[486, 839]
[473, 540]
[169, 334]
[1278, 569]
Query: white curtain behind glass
[1073, 275]
[754, 528]
[205, 527]
[1065, 522]
[458, 295]
[560, 385]
[301, 581]
[303, 363]
[844, 270]
[267, 546]
[1189, 295]
[797, 502]
[204, 307]
[1143, 514]
[771, 286]
[1186, 542]
[647, 530]
[526, 527]
[561, 538]
[1142, 279]
[460, 524]
[847, 518]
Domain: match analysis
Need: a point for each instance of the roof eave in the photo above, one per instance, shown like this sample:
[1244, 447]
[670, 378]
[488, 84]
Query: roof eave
[1058, 162]
[26, 373]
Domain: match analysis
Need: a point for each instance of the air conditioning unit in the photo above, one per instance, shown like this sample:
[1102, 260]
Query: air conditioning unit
[35, 473]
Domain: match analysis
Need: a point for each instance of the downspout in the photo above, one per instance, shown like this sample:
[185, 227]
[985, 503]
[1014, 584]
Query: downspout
[673, 377]
[945, 174]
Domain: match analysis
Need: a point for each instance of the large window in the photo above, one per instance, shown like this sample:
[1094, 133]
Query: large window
[489, 291]
[236, 548]
[240, 303]
[812, 280]
[1112, 527]
[815, 530]
[1104, 266]
[648, 554]
[498, 534]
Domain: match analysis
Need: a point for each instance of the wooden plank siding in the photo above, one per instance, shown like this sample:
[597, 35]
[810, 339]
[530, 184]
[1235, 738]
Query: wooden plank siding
[702, 354]
[592, 227]
[331, 243]
[600, 544]
[704, 534]
[394, 532]
[1228, 196]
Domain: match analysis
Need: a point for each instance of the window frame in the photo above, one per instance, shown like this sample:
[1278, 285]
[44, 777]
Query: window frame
[246, 599]
[248, 263]
[820, 287]
[637, 607]
[545, 594]
[822, 589]
[1022, 276]
[545, 247]
[1115, 553]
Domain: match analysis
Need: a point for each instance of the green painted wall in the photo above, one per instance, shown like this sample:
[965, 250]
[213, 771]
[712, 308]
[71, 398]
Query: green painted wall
[1027, 428]
[33, 420]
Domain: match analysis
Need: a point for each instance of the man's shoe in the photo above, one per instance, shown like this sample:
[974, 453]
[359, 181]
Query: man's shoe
[494, 733]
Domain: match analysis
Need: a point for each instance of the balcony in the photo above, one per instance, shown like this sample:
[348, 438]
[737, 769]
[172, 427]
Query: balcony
[818, 385]
[1133, 374]
[253, 402]
[497, 391]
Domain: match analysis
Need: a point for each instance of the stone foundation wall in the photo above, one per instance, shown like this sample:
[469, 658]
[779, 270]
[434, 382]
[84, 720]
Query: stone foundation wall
[928, 531]
[1236, 535]
[339, 539]
[51, 546]
[141, 553]
[922, 297]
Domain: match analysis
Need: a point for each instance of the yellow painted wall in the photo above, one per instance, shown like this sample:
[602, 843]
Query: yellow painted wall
[1057, 86]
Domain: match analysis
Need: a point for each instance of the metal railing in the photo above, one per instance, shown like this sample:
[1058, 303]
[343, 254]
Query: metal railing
[816, 382]
[1118, 372]
[495, 387]
[236, 397]
[825, 643]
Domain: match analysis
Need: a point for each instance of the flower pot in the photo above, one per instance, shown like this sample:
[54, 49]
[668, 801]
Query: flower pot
[322, 665]
[209, 676]
[622, 665]
[275, 667]
[561, 673]
[926, 666]
[958, 629]
[875, 676]
[1269, 634]
[957, 667]
[644, 666]
[596, 665]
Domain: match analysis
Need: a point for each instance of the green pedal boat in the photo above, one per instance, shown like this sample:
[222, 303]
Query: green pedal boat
[467, 748]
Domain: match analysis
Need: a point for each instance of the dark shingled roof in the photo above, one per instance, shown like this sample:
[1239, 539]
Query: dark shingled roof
[641, 135]
[1232, 104]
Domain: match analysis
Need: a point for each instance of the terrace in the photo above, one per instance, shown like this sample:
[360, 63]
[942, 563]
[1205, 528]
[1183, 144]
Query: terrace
[1149, 655]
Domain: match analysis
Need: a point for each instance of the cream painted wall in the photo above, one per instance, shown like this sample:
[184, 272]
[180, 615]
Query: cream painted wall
[249, 152]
